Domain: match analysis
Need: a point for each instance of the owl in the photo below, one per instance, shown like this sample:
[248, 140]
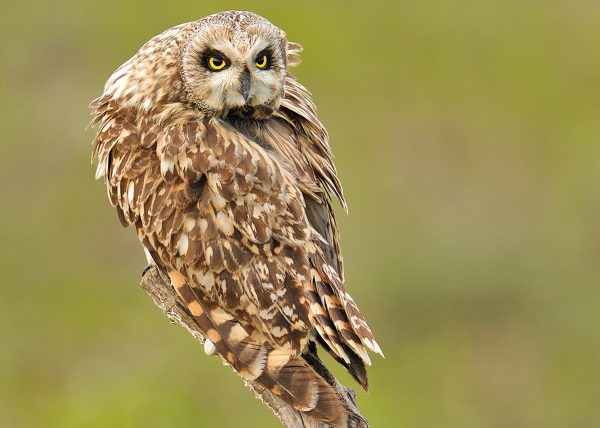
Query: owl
[213, 151]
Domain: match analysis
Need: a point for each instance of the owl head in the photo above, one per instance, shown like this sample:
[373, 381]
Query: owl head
[235, 62]
[229, 63]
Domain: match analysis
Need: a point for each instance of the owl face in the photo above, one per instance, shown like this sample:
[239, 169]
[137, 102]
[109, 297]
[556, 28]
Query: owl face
[235, 66]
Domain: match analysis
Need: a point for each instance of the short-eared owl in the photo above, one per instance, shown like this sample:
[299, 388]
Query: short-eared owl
[213, 151]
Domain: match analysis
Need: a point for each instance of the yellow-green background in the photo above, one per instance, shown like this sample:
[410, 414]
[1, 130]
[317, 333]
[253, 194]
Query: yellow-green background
[467, 135]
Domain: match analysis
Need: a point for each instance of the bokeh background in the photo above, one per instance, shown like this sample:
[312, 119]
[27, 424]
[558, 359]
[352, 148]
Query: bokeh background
[467, 135]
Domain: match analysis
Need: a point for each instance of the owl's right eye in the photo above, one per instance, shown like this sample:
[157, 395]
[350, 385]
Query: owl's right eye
[216, 63]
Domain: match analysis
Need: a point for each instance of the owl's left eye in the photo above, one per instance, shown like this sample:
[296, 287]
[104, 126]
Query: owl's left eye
[216, 63]
[262, 61]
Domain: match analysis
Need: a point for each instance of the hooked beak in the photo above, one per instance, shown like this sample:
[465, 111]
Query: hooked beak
[245, 85]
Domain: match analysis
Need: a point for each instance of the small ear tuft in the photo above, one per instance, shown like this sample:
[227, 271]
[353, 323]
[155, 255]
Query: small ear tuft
[293, 53]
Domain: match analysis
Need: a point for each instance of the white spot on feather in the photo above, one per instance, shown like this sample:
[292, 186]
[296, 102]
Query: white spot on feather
[267, 314]
[203, 225]
[130, 192]
[278, 331]
[373, 346]
[100, 170]
[182, 245]
[208, 254]
[205, 279]
[167, 164]
[224, 223]
[288, 311]
[188, 224]
[209, 347]
[218, 201]
[149, 258]
[208, 280]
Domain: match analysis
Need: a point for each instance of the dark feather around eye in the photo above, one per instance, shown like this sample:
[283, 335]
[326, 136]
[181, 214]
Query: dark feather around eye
[208, 54]
[268, 54]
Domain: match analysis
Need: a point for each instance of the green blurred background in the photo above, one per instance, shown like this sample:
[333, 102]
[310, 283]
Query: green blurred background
[467, 136]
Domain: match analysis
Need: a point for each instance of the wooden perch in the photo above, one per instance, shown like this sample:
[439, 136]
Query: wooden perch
[164, 296]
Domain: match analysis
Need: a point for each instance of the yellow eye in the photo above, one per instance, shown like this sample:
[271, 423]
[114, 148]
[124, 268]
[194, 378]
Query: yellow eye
[262, 62]
[216, 63]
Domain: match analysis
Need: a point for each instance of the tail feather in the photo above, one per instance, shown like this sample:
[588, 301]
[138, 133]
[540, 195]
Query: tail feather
[287, 376]
[335, 339]
[355, 366]
[345, 310]
[339, 316]
[323, 324]
[298, 384]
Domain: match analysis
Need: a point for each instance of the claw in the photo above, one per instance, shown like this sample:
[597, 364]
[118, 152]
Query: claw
[146, 269]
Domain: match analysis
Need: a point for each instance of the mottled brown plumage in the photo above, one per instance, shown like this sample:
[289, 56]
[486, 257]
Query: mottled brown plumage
[225, 174]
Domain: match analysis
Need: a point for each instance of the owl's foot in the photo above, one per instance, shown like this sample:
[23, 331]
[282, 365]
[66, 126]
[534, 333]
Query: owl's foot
[146, 269]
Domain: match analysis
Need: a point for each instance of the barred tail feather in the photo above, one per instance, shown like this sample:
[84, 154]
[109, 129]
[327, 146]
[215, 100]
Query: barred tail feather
[287, 376]
[359, 325]
[293, 380]
[336, 341]
[344, 312]
[355, 365]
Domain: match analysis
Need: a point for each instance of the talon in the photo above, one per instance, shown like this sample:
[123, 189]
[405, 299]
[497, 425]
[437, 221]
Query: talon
[209, 347]
[146, 269]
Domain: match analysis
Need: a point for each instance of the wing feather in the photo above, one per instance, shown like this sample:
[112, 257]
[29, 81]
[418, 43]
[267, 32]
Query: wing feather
[242, 221]
[299, 137]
